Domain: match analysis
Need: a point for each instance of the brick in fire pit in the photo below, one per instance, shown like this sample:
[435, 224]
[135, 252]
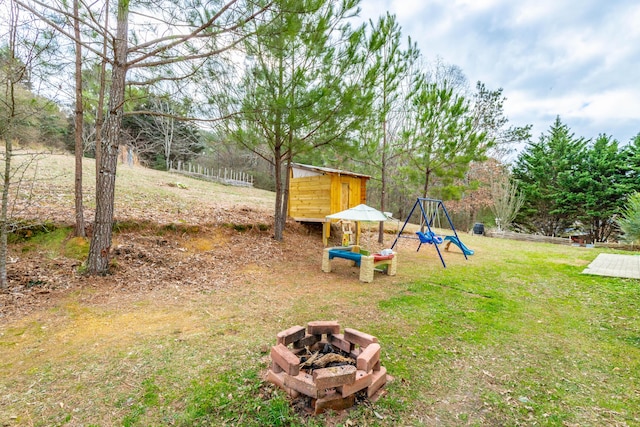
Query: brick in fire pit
[379, 379]
[338, 340]
[304, 384]
[319, 327]
[319, 346]
[308, 340]
[335, 401]
[355, 353]
[278, 380]
[289, 362]
[363, 380]
[293, 334]
[334, 376]
[369, 357]
[275, 367]
[359, 338]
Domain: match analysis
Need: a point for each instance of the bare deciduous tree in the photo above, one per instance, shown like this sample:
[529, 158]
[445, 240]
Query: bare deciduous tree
[15, 110]
[171, 46]
[163, 133]
[507, 201]
[78, 122]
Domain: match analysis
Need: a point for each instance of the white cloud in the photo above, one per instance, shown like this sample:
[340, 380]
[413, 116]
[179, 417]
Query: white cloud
[613, 112]
[576, 60]
[617, 104]
[371, 9]
[407, 9]
[472, 6]
[533, 13]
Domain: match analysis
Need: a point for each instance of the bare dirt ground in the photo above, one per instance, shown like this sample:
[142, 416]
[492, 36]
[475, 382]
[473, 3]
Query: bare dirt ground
[173, 232]
[169, 233]
[197, 257]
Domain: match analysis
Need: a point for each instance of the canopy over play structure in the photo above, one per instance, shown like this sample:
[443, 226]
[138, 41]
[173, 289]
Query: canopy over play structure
[430, 212]
[361, 212]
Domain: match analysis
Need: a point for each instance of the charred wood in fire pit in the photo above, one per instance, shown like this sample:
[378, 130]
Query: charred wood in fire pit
[309, 361]
[317, 361]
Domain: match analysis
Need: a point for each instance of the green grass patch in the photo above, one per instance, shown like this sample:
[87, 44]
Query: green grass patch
[50, 241]
[525, 341]
[513, 336]
[28, 230]
[237, 398]
[77, 248]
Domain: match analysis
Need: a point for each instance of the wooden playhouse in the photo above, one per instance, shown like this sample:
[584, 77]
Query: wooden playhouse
[315, 192]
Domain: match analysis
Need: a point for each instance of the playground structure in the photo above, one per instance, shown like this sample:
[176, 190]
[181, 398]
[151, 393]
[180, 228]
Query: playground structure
[430, 209]
[368, 263]
[350, 220]
[348, 235]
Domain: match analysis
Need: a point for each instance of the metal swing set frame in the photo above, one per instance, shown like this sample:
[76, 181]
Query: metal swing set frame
[428, 216]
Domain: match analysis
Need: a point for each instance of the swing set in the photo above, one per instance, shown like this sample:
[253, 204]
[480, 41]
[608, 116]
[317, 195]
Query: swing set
[430, 210]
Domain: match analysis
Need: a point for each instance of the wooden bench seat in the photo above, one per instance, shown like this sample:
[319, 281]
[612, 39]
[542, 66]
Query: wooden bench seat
[367, 263]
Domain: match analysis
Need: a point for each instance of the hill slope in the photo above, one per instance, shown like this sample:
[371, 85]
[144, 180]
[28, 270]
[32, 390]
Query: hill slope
[170, 229]
[141, 194]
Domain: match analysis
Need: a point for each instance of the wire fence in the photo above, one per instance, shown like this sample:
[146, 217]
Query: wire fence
[221, 175]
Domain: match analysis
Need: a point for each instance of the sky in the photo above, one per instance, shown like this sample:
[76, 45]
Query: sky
[577, 59]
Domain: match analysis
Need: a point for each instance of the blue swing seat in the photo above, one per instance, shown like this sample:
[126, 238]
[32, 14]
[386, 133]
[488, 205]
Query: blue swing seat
[429, 237]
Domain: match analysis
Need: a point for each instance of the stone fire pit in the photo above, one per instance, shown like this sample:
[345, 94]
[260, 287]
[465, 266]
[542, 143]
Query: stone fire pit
[329, 367]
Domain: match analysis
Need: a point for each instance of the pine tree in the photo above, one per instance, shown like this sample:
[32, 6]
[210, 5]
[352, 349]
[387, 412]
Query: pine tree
[631, 156]
[443, 140]
[304, 88]
[546, 172]
[630, 221]
[381, 141]
[598, 189]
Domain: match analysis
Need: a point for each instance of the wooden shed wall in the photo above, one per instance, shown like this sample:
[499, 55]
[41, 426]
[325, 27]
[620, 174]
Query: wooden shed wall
[310, 197]
[314, 197]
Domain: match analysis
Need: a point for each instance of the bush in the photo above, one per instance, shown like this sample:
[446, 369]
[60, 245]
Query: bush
[630, 221]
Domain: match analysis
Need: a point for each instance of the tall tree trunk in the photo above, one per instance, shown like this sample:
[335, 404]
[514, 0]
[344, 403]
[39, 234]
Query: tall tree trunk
[8, 144]
[79, 119]
[285, 193]
[383, 174]
[102, 88]
[168, 124]
[425, 195]
[425, 190]
[98, 262]
[279, 219]
[278, 222]
[4, 220]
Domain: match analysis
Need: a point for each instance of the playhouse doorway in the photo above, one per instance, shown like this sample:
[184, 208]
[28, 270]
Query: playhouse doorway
[344, 197]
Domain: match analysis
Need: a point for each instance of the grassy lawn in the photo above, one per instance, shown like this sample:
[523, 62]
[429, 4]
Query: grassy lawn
[516, 335]
[523, 339]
